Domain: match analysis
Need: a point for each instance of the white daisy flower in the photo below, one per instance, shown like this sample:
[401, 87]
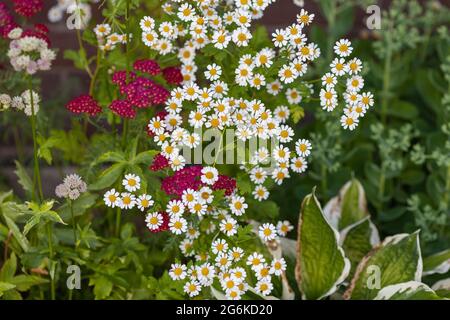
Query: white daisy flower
[177, 225]
[338, 67]
[303, 147]
[177, 162]
[258, 175]
[287, 74]
[350, 121]
[192, 288]
[236, 253]
[279, 174]
[127, 201]
[279, 38]
[144, 202]
[178, 271]
[299, 164]
[189, 196]
[238, 205]
[219, 245]
[147, 24]
[274, 88]
[267, 232]
[131, 182]
[264, 287]
[278, 266]
[154, 221]
[221, 39]
[228, 226]
[198, 207]
[210, 175]
[343, 48]
[260, 193]
[255, 261]
[284, 227]
[241, 37]
[213, 72]
[175, 208]
[111, 198]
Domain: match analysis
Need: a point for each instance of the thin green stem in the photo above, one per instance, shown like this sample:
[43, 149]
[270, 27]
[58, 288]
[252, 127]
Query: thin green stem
[51, 255]
[118, 221]
[74, 225]
[36, 170]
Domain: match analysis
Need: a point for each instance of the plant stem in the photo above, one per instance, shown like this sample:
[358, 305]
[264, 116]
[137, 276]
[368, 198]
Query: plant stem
[447, 190]
[36, 170]
[51, 254]
[386, 76]
[331, 19]
[74, 226]
[118, 218]
[324, 179]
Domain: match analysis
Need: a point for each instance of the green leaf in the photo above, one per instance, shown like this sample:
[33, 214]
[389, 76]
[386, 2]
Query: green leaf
[145, 157]
[411, 290]
[437, 263]
[354, 204]
[25, 282]
[102, 287]
[321, 262]
[358, 239]
[9, 268]
[24, 179]
[396, 260]
[21, 239]
[243, 181]
[403, 110]
[108, 177]
[80, 205]
[349, 207]
[5, 286]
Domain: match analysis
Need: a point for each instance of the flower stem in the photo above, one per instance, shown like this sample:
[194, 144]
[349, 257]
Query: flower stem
[118, 218]
[36, 170]
[74, 226]
[51, 254]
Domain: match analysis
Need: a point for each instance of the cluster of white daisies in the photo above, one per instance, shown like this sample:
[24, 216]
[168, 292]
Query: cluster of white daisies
[249, 118]
[357, 102]
[108, 40]
[28, 102]
[29, 54]
[127, 200]
[203, 22]
[233, 269]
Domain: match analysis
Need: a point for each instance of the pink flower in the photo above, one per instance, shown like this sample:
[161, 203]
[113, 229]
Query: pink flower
[28, 8]
[173, 75]
[123, 108]
[84, 104]
[147, 66]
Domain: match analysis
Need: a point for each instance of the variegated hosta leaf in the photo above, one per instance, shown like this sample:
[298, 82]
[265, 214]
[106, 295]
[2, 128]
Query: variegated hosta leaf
[437, 263]
[398, 259]
[349, 207]
[411, 290]
[358, 240]
[321, 262]
[442, 288]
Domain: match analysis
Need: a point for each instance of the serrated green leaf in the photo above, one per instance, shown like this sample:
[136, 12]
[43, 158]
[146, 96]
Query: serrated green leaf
[24, 179]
